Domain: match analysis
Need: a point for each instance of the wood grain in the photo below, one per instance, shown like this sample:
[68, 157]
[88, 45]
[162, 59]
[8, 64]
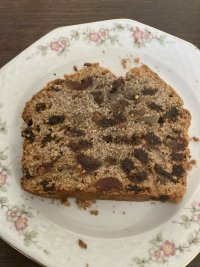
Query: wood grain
[22, 22]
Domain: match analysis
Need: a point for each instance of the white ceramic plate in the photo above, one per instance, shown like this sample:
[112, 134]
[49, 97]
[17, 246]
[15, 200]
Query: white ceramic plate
[124, 234]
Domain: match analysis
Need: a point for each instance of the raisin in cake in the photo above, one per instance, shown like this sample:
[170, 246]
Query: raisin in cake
[93, 135]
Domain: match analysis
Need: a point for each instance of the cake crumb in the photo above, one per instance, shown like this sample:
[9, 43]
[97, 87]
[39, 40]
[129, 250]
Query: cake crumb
[75, 68]
[65, 202]
[82, 244]
[84, 204]
[113, 211]
[125, 62]
[195, 139]
[87, 265]
[193, 162]
[103, 51]
[54, 74]
[137, 60]
[123, 212]
[94, 212]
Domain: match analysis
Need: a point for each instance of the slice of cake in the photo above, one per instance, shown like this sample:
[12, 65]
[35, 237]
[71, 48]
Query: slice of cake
[93, 135]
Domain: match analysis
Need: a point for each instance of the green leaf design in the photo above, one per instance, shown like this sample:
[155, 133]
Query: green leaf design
[187, 224]
[3, 188]
[9, 171]
[118, 27]
[33, 234]
[46, 252]
[153, 242]
[75, 35]
[3, 127]
[159, 237]
[26, 242]
[137, 260]
[2, 156]
[184, 218]
[3, 200]
[43, 49]
[28, 213]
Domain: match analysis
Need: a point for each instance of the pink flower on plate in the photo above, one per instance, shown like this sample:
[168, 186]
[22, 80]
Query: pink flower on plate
[198, 204]
[21, 223]
[94, 37]
[13, 214]
[148, 36]
[168, 248]
[138, 35]
[103, 33]
[55, 46]
[155, 254]
[3, 178]
[64, 42]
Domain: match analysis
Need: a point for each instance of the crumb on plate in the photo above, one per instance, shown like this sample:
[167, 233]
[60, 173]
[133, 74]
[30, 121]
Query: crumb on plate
[82, 244]
[65, 202]
[94, 212]
[84, 204]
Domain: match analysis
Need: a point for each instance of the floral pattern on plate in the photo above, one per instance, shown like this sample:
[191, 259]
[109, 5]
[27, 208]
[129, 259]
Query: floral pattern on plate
[102, 37]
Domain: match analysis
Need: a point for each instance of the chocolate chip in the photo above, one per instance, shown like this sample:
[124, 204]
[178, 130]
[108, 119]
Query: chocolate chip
[108, 184]
[75, 68]
[47, 138]
[54, 88]
[177, 156]
[79, 86]
[108, 138]
[117, 84]
[56, 119]
[155, 106]
[111, 160]
[47, 187]
[80, 145]
[88, 163]
[135, 139]
[178, 144]
[121, 139]
[127, 165]
[29, 122]
[98, 97]
[46, 167]
[135, 188]
[152, 139]
[87, 64]
[172, 114]
[159, 170]
[72, 131]
[177, 170]
[149, 91]
[27, 174]
[162, 198]
[40, 107]
[161, 120]
[138, 177]
[109, 122]
[141, 155]
[105, 122]
[28, 134]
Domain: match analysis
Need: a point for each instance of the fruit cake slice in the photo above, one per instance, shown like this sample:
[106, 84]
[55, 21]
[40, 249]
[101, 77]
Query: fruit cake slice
[92, 135]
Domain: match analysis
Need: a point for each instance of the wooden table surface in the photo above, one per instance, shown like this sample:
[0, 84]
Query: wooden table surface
[22, 22]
